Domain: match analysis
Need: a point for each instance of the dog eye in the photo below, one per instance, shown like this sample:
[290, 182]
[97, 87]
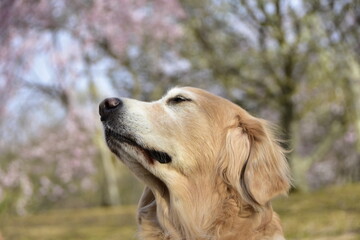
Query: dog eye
[178, 99]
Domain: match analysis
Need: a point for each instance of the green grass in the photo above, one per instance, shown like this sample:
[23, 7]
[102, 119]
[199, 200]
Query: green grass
[329, 214]
[72, 224]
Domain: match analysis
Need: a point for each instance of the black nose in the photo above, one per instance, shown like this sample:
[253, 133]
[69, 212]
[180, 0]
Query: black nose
[107, 106]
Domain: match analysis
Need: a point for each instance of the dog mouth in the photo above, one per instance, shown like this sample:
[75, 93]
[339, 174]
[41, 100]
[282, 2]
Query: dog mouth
[150, 155]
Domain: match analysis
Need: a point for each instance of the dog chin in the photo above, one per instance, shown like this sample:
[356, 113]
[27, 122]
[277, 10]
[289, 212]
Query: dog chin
[138, 162]
[128, 143]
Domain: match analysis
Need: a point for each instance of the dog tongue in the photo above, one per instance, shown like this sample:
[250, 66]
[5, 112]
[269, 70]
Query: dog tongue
[161, 157]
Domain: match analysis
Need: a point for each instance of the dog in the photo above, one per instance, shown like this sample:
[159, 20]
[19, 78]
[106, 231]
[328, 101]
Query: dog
[209, 167]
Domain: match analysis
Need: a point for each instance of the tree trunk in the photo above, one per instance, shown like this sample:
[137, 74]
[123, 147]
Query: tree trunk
[301, 165]
[111, 195]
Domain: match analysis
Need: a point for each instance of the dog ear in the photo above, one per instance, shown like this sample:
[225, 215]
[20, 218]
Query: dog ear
[253, 162]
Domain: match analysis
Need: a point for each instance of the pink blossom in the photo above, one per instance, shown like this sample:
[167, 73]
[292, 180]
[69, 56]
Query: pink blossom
[46, 46]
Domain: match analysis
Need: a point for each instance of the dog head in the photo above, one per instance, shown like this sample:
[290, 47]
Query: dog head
[190, 133]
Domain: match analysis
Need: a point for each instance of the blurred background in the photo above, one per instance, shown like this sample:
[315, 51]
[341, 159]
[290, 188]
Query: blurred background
[295, 63]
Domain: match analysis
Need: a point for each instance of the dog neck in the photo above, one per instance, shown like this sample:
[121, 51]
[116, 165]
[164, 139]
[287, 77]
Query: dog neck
[205, 209]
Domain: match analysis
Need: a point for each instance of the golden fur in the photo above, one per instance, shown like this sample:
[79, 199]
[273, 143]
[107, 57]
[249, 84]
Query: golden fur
[226, 166]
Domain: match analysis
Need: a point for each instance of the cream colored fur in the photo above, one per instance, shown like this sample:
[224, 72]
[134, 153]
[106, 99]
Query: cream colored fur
[226, 167]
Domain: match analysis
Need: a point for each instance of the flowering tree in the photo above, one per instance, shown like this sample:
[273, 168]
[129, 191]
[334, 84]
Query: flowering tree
[55, 62]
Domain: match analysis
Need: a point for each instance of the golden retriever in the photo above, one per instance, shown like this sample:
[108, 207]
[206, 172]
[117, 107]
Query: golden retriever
[210, 168]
